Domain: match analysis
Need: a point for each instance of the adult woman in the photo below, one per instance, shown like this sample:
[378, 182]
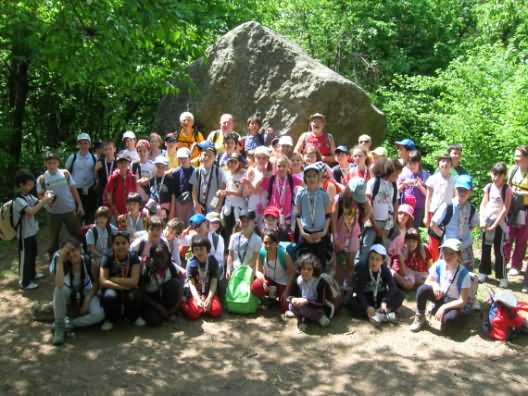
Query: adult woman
[274, 271]
[318, 138]
[188, 135]
[518, 222]
[119, 279]
[156, 145]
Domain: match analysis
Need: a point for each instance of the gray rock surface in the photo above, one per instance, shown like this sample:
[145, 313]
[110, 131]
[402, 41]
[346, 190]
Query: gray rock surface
[253, 70]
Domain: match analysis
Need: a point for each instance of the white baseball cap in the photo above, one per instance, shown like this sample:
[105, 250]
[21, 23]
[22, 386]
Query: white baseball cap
[129, 135]
[286, 140]
[453, 244]
[83, 136]
[183, 152]
[262, 150]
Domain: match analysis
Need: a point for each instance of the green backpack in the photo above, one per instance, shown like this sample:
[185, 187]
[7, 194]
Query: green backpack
[238, 297]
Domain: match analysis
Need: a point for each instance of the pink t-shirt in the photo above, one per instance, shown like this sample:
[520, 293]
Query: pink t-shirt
[398, 244]
[347, 228]
[281, 193]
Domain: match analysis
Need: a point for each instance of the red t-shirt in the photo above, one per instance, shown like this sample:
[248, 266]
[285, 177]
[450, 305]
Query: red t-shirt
[322, 143]
[416, 262]
[119, 189]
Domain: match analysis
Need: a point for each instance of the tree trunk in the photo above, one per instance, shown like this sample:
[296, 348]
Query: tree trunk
[18, 91]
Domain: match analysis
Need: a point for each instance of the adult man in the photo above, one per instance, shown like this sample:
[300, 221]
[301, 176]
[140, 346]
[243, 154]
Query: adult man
[227, 125]
[81, 166]
[317, 137]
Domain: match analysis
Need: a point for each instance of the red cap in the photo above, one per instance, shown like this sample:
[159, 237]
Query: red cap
[272, 211]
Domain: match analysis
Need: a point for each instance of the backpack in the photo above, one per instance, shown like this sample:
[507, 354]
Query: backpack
[501, 322]
[332, 295]
[84, 231]
[136, 168]
[238, 297]
[290, 182]
[463, 271]
[446, 220]
[8, 229]
[290, 248]
[195, 135]
[70, 168]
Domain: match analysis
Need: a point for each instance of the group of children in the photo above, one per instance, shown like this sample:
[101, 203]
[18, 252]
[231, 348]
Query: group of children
[154, 231]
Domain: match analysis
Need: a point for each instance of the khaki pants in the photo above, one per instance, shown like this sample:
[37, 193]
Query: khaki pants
[55, 222]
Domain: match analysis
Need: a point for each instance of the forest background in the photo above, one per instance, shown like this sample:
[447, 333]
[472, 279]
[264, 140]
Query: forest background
[441, 70]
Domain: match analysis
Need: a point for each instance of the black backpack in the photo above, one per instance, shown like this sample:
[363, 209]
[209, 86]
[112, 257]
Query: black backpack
[84, 231]
[446, 220]
[70, 168]
[375, 189]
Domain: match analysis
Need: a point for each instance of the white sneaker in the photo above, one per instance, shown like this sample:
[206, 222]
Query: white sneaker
[107, 326]
[482, 278]
[513, 272]
[324, 321]
[40, 275]
[140, 322]
[289, 315]
[503, 283]
[392, 318]
[377, 319]
[30, 286]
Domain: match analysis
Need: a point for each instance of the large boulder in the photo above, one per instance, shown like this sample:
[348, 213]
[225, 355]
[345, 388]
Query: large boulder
[253, 70]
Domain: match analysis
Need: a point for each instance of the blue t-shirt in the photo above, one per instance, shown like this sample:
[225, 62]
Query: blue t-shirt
[313, 208]
[460, 225]
[252, 142]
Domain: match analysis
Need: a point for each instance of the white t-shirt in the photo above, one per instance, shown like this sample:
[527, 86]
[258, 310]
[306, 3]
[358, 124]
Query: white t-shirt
[28, 224]
[244, 249]
[234, 184]
[382, 205]
[101, 245]
[443, 190]
[446, 279]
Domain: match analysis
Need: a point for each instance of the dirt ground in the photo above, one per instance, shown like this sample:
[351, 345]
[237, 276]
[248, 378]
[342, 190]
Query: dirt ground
[247, 355]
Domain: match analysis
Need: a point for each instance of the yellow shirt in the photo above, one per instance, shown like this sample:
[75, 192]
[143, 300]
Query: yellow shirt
[187, 140]
[173, 161]
[519, 182]
[217, 137]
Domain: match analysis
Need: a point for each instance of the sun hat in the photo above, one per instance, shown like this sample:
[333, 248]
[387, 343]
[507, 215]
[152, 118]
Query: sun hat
[406, 208]
[317, 115]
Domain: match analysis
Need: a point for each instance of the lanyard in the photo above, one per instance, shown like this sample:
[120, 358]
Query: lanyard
[207, 181]
[124, 269]
[202, 275]
[281, 191]
[156, 189]
[313, 206]
[133, 225]
[241, 258]
[377, 280]
[108, 170]
[274, 264]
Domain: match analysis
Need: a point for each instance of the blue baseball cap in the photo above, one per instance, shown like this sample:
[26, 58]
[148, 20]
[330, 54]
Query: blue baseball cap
[379, 248]
[464, 181]
[197, 219]
[206, 145]
[407, 143]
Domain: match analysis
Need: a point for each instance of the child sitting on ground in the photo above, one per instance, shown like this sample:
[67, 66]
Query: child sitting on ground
[99, 239]
[307, 293]
[377, 296]
[416, 260]
[134, 219]
[447, 286]
[202, 282]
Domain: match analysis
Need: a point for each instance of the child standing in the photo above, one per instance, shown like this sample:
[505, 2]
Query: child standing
[161, 200]
[493, 211]
[447, 286]
[59, 184]
[25, 207]
[182, 186]
[341, 170]
[120, 184]
[202, 282]
[377, 296]
[313, 217]
[440, 190]
[361, 166]
[244, 246]
[411, 182]
[143, 169]
[104, 168]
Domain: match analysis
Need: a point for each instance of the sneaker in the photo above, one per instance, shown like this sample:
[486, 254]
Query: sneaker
[377, 319]
[392, 318]
[30, 286]
[513, 272]
[301, 327]
[418, 323]
[524, 290]
[289, 315]
[39, 275]
[58, 333]
[107, 326]
[482, 278]
[140, 322]
[429, 308]
[324, 321]
[503, 283]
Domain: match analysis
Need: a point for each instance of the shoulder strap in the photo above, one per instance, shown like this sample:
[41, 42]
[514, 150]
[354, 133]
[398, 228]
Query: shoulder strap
[270, 186]
[12, 212]
[340, 206]
[473, 210]
[136, 166]
[215, 240]
[95, 234]
[448, 215]
[195, 133]
[438, 273]
[70, 168]
[42, 181]
[262, 253]
[109, 238]
[503, 192]
[93, 159]
[512, 173]
[462, 274]
[282, 256]
[290, 180]
[394, 192]
[376, 187]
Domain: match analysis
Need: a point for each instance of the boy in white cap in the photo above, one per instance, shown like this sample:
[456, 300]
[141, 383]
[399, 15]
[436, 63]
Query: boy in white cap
[81, 166]
[129, 141]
